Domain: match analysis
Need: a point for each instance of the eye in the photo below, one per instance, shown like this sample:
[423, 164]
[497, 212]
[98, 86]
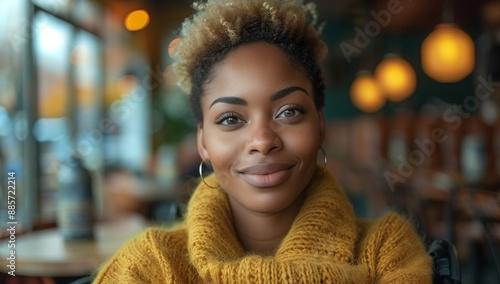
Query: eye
[291, 111]
[228, 119]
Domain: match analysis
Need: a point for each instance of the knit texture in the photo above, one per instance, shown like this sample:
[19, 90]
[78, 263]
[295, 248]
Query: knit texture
[326, 244]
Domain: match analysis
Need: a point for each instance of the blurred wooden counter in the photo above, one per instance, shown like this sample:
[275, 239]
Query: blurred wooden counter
[45, 253]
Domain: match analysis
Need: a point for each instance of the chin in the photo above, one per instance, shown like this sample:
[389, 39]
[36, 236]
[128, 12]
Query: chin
[272, 201]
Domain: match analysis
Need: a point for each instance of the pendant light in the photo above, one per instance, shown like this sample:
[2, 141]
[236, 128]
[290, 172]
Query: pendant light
[137, 20]
[448, 52]
[366, 93]
[396, 78]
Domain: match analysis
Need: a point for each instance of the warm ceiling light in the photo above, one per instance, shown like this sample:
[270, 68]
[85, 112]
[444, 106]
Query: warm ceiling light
[396, 78]
[121, 88]
[448, 54]
[137, 20]
[78, 55]
[172, 45]
[53, 103]
[169, 75]
[366, 93]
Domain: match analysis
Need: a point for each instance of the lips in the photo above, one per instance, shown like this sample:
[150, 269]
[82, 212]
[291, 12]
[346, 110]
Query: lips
[266, 175]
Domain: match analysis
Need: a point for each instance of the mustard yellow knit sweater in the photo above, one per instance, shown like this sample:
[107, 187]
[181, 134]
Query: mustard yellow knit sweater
[326, 244]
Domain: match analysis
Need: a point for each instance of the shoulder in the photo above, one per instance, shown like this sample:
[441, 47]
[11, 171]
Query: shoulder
[151, 256]
[390, 223]
[163, 237]
[392, 249]
[157, 240]
[390, 229]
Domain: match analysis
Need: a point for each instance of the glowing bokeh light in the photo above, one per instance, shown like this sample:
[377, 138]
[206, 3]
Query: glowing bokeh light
[396, 78]
[448, 54]
[172, 45]
[169, 75]
[137, 20]
[366, 94]
[78, 55]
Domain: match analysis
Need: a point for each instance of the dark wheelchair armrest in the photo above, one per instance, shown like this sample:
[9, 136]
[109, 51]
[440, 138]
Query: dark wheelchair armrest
[446, 267]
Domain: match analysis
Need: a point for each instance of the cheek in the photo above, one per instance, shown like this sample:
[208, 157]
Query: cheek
[220, 159]
[222, 151]
[303, 141]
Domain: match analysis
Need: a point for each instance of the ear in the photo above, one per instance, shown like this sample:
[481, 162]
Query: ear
[202, 149]
[322, 130]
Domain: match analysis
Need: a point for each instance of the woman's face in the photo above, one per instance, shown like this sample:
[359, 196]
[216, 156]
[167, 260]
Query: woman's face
[261, 130]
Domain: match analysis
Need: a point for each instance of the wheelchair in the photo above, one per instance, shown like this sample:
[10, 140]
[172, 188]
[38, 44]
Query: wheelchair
[446, 268]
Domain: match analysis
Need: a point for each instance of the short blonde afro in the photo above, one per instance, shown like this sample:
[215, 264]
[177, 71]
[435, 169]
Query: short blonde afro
[218, 25]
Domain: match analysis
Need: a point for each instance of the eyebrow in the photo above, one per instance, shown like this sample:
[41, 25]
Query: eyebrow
[286, 91]
[230, 100]
[278, 95]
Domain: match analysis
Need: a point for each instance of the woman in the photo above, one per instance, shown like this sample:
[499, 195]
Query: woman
[268, 214]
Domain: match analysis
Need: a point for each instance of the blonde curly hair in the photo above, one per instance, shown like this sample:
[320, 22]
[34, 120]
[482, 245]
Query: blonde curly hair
[219, 26]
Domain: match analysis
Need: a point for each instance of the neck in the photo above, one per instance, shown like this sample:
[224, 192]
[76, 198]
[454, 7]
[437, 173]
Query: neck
[263, 232]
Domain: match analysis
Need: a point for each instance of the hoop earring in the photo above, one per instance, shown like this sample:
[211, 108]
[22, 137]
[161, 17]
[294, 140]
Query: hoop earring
[200, 169]
[325, 160]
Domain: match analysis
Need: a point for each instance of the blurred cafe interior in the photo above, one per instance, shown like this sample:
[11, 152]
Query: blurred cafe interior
[91, 121]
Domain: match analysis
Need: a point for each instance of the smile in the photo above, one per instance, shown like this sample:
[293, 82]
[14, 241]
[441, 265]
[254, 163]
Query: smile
[266, 175]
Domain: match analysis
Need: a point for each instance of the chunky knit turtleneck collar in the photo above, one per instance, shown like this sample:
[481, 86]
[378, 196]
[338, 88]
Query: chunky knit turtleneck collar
[319, 247]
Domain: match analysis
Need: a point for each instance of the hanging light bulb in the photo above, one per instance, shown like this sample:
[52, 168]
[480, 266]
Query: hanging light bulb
[137, 20]
[448, 54]
[366, 93]
[396, 78]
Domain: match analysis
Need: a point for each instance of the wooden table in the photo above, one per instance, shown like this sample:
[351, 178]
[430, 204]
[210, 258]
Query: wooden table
[45, 253]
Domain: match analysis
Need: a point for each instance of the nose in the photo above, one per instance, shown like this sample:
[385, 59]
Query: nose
[263, 139]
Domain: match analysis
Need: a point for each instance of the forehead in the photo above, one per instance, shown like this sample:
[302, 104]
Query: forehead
[258, 52]
[256, 68]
